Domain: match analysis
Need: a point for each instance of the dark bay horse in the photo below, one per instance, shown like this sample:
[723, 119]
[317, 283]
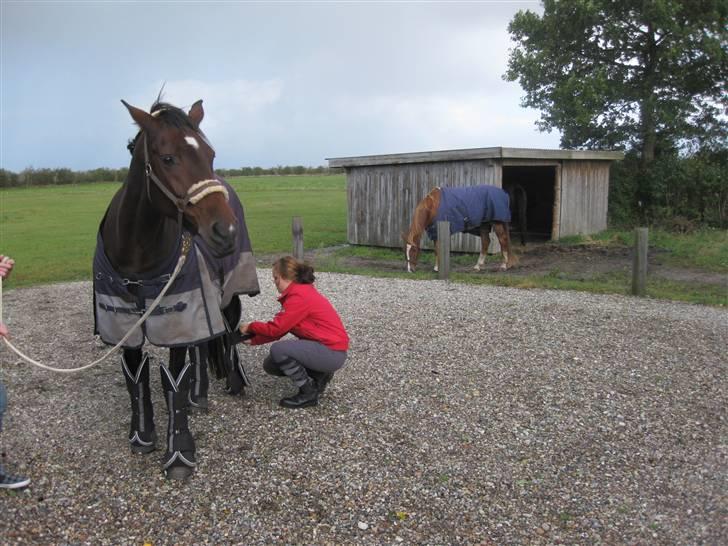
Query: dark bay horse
[173, 204]
[473, 209]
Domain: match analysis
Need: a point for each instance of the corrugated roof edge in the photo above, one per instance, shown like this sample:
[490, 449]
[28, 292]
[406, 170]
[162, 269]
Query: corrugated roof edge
[473, 153]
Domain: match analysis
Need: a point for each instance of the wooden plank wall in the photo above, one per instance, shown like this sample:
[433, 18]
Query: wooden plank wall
[584, 197]
[382, 199]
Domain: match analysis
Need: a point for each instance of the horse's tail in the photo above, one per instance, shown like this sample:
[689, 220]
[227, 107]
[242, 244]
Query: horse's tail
[223, 358]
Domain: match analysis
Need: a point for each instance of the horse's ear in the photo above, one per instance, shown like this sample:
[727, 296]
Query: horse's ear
[196, 114]
[144, 120]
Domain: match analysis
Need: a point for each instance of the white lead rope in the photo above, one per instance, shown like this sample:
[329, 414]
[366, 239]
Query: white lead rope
[154, 305]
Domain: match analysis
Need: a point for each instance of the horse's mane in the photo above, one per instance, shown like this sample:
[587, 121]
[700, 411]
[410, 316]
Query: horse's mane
[167, 114]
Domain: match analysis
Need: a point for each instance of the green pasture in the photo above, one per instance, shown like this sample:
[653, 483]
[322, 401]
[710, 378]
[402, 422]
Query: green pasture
[710, 246]
[51, 230]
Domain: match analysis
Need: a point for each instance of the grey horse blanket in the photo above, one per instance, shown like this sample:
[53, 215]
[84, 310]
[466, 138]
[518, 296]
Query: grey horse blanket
[191, 310]
[469, 207]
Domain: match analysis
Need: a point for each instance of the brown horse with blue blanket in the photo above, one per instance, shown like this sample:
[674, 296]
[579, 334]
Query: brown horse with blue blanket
[471, 209]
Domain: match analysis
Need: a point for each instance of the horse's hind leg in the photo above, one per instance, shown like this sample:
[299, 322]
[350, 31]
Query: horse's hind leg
[199, 380]
[509, 259]
[484, 241]
[522, 209]
[179, 460]
[142, 436]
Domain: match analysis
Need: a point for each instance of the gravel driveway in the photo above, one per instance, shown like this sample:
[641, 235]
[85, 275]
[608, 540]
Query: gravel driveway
[466, 415]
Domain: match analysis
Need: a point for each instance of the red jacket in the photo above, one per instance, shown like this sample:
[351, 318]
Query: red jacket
[307, 315]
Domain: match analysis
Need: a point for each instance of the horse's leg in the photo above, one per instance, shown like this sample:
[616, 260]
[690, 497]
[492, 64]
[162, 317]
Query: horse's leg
[522, 207]
[504, 238]
[199, 380]
[142, 436]
[179, 461]
[437, 255]
[484, 241]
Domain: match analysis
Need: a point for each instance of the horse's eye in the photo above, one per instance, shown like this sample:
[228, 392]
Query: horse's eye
[168, 160]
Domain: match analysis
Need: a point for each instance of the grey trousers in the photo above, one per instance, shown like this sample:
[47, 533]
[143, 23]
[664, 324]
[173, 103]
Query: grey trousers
[311, 355]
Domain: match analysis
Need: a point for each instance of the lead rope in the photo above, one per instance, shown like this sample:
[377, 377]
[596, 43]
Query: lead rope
[186, 245]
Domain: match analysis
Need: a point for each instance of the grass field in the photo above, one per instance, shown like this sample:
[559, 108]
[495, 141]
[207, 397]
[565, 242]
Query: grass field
[51, 230]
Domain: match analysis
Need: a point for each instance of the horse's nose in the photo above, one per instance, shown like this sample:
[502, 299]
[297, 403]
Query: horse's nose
[224, 234]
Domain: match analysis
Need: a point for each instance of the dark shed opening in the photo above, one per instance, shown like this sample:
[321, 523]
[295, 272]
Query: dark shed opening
[537, 183]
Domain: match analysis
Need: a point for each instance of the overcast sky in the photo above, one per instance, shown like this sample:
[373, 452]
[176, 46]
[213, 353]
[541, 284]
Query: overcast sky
[282, 83]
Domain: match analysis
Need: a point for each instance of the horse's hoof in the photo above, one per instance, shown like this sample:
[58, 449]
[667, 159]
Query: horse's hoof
[143, 448]
[178, 473]
[240, 391]
[503, 267]
[200, 406]
[476, 267]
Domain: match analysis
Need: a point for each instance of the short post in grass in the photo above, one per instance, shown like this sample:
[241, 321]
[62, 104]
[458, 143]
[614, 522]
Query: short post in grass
[443, 254]
[639, 267]
[297, 229]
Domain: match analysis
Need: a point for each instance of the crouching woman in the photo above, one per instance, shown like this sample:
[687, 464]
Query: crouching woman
[311, 360]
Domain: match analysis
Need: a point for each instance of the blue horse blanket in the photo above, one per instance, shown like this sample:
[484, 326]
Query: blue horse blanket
[191, 310]
[469, 207]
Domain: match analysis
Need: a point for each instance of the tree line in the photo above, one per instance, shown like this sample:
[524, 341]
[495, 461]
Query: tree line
[47, 177]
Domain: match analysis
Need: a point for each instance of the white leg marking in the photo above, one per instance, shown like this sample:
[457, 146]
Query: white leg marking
[504, 265]
[481, 262]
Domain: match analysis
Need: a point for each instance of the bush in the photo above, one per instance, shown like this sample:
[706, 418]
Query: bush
[693, 189]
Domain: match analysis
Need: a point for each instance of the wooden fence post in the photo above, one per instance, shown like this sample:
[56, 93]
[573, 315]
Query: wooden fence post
[297, 229]
[639, 267]
[443, 254]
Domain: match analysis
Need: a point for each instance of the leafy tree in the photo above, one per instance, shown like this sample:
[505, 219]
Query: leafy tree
[642, 75]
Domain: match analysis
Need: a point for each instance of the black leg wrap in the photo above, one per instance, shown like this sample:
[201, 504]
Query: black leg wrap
[199, 381]
[179, 460]
[142, 436]
[237, 379]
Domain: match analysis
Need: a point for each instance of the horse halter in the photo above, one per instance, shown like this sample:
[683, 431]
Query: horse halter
[195, 193]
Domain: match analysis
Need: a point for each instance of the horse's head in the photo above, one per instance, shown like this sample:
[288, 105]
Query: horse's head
[178, 160]
[411, 252]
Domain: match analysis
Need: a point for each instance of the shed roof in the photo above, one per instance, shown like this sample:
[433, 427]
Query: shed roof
[473, 153]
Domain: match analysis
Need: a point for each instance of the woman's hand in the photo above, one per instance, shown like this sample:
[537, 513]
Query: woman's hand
[6, 266]
[244, 329]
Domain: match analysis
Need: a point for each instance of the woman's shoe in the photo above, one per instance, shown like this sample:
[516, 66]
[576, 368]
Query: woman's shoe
[8, 481]
[307, 396]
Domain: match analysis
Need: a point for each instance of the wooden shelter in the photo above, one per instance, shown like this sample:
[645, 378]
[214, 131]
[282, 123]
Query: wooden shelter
[567, 190]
